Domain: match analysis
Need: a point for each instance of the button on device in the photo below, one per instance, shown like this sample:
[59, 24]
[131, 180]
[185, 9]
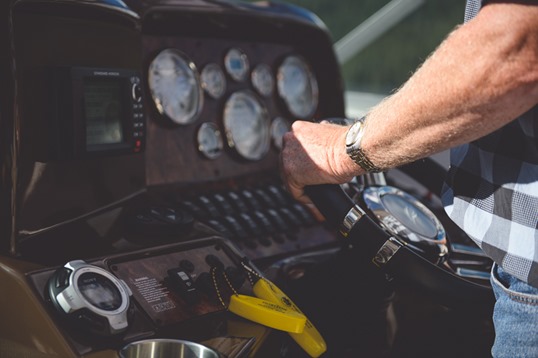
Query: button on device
[186, 265]
[237, 202]
[223, 204]
[137, 92]
[214, 261]
[277, 220]
[208, 205]
[219, 226]
[279, 195]
[182, 282]
[265, 198]
[251, 200]
[263, 220]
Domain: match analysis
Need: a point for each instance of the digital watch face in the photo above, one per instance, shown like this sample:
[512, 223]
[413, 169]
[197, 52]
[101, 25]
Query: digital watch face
[175, 86]
[99, 291]
[246, 123]
[81, 292]
[298, 87]
[103, 108]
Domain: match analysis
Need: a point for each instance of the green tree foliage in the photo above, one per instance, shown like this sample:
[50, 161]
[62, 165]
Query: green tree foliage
[387, 63]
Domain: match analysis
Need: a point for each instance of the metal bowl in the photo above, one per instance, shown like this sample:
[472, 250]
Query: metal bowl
[166, 348]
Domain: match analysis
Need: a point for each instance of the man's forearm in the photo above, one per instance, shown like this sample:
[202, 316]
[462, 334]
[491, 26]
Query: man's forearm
[483, 76]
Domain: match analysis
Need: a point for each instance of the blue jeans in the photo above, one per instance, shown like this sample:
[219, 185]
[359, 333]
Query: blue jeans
[515, 316]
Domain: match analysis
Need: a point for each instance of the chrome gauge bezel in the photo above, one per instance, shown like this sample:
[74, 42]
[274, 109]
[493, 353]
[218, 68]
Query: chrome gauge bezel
[263, 80]
[209, 132]
[301, 102]
[236, 64]
[170, 99]
[279, 126]
[255, 143]
[213, 80]
[432, 244]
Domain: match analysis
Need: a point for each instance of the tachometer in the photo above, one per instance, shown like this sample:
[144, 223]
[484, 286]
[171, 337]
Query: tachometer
[298, 87]
[246, 123]
[175, 86]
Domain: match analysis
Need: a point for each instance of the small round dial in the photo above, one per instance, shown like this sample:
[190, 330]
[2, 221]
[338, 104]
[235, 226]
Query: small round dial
[246, 123]
[262, 79]
[213, 80]
[297, 86]
[209, 140]
[236, 64]
[278, 128]
[175, 86]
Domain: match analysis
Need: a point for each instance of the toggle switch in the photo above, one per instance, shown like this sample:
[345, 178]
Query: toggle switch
[182, 282]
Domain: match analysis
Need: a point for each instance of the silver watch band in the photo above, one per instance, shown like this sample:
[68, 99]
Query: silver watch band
[354, 150]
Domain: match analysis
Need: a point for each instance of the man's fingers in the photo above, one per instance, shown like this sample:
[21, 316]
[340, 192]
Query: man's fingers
[298, 193]
[315, 212]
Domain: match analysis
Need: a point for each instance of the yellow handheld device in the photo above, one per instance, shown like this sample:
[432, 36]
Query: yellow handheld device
[268, 313]
[309, 339]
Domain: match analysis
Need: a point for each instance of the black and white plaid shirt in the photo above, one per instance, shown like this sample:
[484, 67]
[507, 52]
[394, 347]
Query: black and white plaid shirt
[492, 191]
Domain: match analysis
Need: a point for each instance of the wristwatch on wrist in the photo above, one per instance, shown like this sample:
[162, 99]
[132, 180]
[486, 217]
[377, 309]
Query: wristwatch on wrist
[354, 150]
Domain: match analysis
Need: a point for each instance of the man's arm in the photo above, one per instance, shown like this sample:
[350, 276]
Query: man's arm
[484, 75]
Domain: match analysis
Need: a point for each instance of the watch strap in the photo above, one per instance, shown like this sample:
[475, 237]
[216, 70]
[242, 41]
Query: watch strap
[355, 151]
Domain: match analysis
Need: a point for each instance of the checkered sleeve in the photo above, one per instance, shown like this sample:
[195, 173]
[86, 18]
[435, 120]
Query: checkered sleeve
[491, 192]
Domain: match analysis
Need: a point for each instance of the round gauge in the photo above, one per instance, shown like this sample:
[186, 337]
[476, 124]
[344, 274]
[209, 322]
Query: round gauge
[278, 128]
[246, 123]
[213, 80]
[175, 86]
[262, 79]
[209, 140]
[404, 216]
[298, 87]
[236, 63]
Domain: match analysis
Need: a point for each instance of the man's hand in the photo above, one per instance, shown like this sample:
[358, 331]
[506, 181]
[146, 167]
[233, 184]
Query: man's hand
[314, 153]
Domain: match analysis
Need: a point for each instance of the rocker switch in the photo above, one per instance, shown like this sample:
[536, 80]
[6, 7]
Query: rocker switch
[184, 285]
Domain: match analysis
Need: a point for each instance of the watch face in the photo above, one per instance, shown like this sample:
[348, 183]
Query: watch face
[352, 133]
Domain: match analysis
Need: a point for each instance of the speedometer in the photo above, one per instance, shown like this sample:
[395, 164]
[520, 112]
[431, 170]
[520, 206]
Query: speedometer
[175, 86]
[298, 87]
[246, 123]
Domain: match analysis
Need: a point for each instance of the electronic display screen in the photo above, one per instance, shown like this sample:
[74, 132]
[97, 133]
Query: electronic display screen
[99, 291]
[103, 109]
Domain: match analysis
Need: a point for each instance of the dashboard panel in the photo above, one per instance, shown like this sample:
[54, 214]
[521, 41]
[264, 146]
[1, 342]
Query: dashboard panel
[140, 186]
[148, 160]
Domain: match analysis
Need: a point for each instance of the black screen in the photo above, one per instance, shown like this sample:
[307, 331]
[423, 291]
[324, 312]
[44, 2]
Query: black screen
[104, 110]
